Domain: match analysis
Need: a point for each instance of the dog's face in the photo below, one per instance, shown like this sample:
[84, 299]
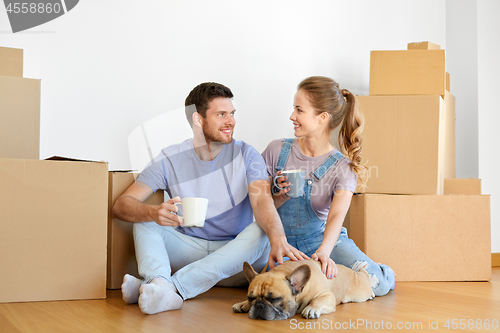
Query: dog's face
[274, 296]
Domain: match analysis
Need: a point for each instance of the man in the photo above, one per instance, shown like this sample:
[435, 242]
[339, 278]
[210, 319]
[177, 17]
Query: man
[232, 175]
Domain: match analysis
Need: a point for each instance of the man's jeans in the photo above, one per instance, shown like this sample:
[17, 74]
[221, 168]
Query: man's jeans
[197, 264]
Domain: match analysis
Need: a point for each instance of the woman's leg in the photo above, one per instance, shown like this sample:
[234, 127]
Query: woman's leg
[346, 253]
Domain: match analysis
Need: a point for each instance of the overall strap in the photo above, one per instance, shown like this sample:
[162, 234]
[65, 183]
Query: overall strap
[327, 165]
[284, 154]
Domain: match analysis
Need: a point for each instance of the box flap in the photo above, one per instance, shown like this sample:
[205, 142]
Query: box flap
[61, 158]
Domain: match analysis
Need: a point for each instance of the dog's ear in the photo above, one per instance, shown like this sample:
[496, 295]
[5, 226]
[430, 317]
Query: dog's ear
[250, 273]
[299, 278]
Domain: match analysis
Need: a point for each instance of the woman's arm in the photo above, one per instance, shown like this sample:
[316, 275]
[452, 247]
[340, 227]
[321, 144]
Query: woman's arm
[338, 210]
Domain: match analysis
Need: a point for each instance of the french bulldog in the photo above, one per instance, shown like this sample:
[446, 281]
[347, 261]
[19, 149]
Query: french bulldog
[301, 287]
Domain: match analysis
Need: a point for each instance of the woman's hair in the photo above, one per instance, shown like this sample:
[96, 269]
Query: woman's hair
[325, 96]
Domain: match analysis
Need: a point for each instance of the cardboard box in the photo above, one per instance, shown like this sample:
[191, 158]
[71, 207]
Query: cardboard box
[11, 62]
[121, 252]
[414, 72]
[19, 117]
[409, 143]
[53, 230]
[425, 237]
[462, 186]
[423, 46]
[448, 81]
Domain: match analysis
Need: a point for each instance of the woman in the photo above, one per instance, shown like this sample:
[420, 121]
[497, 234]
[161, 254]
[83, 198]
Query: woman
[313, 222]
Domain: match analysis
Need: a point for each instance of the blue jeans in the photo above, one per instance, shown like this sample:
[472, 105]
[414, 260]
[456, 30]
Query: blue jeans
[194, 265]
[346, 253]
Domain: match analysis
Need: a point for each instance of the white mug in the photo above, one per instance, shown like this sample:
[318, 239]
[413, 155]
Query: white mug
[194, 211]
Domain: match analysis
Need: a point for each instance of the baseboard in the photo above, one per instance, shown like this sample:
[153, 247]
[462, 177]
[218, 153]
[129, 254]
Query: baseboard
[495, 260]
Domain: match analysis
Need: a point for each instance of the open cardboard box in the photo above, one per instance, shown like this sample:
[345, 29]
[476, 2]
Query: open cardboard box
[53, 230]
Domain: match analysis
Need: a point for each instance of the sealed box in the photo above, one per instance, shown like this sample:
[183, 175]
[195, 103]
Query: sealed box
[462, 186]
[425, 237]
[11, 62]
[423, 46]
[53, 230]
[407, 72]
[19, 117]
[409, 143]
[121, 252]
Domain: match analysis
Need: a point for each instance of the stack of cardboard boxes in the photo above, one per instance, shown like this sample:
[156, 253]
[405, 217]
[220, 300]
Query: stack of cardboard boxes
[412, 214]
[53, 213]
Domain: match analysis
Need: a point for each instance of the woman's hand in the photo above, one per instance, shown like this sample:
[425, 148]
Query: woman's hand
[280, 197]
[328, 266]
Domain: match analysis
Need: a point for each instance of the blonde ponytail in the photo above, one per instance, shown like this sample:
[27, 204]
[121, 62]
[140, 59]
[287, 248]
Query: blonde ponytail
[350, 139]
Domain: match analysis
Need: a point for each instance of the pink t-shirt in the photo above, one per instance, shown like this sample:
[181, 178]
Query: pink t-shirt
[340, 176]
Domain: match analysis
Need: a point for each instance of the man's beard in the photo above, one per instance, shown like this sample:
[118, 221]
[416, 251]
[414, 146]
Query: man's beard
[214, 135]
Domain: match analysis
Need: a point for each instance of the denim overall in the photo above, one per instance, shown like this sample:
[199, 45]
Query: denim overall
[304, 229]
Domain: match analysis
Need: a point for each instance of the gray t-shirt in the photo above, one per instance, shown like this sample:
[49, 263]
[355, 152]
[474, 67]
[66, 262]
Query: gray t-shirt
[340, 176]
[223, 181]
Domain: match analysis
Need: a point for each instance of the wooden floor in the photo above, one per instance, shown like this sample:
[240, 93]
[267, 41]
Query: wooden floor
[411, 306]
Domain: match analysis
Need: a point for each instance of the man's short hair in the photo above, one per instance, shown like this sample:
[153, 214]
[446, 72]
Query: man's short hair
[203, 94]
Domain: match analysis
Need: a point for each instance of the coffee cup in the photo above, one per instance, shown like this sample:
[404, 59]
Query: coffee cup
[194, 211]
[296, 178]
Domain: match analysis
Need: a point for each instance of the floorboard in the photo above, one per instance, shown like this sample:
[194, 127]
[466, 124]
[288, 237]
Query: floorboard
[411, 306]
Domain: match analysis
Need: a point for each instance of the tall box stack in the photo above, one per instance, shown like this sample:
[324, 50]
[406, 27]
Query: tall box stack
[53, 213]
[412, 214]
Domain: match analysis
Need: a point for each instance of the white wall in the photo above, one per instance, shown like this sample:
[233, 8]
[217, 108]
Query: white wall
[461, 63]
[472, 53]
[108, 66]
[489, 109]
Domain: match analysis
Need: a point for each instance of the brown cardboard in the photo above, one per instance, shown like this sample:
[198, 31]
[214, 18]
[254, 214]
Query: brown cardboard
[414, 72]
[121, 252]
[462, 186]
[425, 237]
[11, 62]
[448, 81]
[449, 136]
[53, 230]
[409, 143]
[19, 117]
[423, 46]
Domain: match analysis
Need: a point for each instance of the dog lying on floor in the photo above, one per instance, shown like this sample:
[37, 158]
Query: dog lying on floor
[301, 287]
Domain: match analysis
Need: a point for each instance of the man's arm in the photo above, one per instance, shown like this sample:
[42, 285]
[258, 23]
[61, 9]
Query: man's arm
[268, 219]
[130, 207]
